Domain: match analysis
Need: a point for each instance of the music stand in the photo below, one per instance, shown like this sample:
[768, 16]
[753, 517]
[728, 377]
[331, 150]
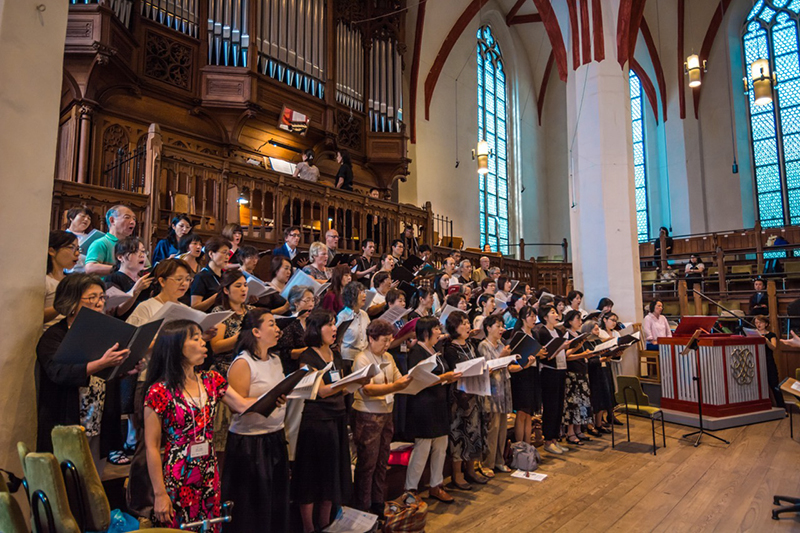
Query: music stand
[692, 346]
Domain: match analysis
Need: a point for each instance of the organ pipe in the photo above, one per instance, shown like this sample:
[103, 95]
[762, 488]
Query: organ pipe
[349, 67]
[386, 87]
[290, 41]
[180, 15]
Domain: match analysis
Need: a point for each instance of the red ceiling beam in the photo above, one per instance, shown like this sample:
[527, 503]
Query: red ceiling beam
[514, 11]
[597, 31]
[447, 46]
[708, 42]
[656, 60]
[545, 80]
[550, 22]
[524, 19]
[647, 86]
[415, 70]
[623, 28]
[586, 41]
[574, 33]
[681, 83]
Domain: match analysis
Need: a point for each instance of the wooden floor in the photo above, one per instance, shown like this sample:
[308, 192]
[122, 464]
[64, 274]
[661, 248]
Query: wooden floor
[710, 488]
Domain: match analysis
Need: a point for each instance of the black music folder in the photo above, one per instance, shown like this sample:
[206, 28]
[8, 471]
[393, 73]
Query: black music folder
[268, 401]
[93, 333]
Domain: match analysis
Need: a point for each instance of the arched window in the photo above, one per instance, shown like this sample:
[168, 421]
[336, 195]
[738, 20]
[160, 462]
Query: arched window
[770, 32]
[639, 159]
[493, 126]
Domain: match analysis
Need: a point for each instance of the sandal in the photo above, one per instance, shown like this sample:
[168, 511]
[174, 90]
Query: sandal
[118, 458]
[475, 477]
[593, 432]
[583, 437]
[576, 442]
[460, 486]
[485, 472]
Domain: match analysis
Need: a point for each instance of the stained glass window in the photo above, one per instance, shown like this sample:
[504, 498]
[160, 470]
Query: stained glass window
[493, 126]
[770, 32]
[639, 159]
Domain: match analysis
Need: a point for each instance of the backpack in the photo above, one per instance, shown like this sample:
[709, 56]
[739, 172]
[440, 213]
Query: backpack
[406, 514]
[525, 457]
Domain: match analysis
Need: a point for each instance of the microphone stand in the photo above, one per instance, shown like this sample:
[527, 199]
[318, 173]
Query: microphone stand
[692, 346]
[724, 308]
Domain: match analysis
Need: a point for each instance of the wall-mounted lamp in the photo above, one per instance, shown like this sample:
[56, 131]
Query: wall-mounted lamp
[693, 67]
[763, 81]
[481, 154]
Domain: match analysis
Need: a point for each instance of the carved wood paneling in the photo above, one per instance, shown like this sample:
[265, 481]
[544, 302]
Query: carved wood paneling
[349, 131]
[168, 61]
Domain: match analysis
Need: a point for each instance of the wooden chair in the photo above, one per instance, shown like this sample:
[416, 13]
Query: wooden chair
[630, 388]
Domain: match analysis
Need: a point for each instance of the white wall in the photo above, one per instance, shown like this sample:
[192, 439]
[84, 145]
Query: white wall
[31, 60]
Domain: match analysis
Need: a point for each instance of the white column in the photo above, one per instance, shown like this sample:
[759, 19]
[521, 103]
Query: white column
[32, 35]
[605, 251]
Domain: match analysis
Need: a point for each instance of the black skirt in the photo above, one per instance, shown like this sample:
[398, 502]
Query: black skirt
[526, 390]
[599, 392]
[256, 479]
[321, 469]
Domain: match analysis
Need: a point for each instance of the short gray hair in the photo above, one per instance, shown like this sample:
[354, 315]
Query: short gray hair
[296, 294]
[315, 249]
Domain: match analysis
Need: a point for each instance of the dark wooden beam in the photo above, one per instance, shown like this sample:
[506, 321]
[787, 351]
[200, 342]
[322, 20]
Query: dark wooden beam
[514, 11]
[597, 31]
[525, 19]
[415, 71]
[550, 22]
[574, 33]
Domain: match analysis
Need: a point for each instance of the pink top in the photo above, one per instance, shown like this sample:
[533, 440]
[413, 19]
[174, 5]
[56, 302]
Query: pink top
[655, 327]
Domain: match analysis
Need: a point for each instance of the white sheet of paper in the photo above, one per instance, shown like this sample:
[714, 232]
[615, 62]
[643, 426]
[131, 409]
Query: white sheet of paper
[176, 311]
[351, 520]
[478, 385]
[532, 476]
[366, 372]
[370, 295]
[257, 288]
[421, 376]
[796, 386]
[393, 314]
[501, 362]
[302, 279]
[471, 368]
[309, 385]
[606, 345]
[115, 298]
[446, 310]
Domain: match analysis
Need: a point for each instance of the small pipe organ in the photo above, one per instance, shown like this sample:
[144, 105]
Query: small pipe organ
[180, 15]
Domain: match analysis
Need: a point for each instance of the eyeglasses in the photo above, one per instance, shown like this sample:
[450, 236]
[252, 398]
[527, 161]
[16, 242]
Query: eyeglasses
[187, 279]
[307, 300]
[94, 298]
[73, 247]
[294, 235]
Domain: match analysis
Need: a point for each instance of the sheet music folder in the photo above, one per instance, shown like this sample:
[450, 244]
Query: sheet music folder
[268, 401]
[93, 333]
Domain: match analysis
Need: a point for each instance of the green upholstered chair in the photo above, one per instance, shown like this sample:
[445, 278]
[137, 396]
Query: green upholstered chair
[85, 490]
[49, 503]
[632, 400]
[11, 519]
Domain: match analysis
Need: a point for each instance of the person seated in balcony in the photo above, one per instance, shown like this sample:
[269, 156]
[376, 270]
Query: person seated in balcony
[694, 271]
[487, 248]
[206, 283]
[234, 233]
[291, 238]
[375, 192]
[344, 176]
[655, 325]
[657, 250]
[410, 244]
[100, 257]
[179, 227]
[318, 257]
[332, 242]
[366, 265]
[759, 304]
[306, 170]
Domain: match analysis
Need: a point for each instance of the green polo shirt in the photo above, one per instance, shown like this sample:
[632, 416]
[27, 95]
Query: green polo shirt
[102, 250]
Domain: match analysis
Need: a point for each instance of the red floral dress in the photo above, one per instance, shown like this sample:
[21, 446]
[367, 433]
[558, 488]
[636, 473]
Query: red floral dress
[192, 483]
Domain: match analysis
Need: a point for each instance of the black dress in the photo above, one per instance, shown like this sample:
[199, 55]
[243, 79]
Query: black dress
[553, 390]
[322, 459]
[772, 373]
[526, 390]
[427, 413]
[346, 172]
[600, 394]
[469, 425]
[291, 339]
[124, 283]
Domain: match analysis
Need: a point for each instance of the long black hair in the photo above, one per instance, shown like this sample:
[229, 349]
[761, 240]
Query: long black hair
[172, 237]
[247, 341]
[345, 157]
[58, 239]
[166, 363]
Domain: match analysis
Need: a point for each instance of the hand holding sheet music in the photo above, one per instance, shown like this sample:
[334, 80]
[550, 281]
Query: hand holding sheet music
[268, 402]
[355, 380]
[502, 362]
[308, 387]
[472, 367]
[422, 376]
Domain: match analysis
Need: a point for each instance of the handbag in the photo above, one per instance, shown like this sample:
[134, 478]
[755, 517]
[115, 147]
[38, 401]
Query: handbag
[406, 514]
[525, 457]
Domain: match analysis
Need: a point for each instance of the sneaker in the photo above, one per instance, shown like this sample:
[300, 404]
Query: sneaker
[564, 449]
[554, 448]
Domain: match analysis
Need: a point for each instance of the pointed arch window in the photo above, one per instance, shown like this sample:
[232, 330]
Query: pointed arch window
[771, 32]
[493, 127]
[639, 159]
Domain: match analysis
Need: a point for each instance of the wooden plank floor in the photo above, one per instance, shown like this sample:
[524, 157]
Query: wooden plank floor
[593, 488]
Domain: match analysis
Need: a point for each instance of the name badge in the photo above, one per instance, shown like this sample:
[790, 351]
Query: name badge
[335, 376]
[199, 449]
[603, 364]
[389, 399]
